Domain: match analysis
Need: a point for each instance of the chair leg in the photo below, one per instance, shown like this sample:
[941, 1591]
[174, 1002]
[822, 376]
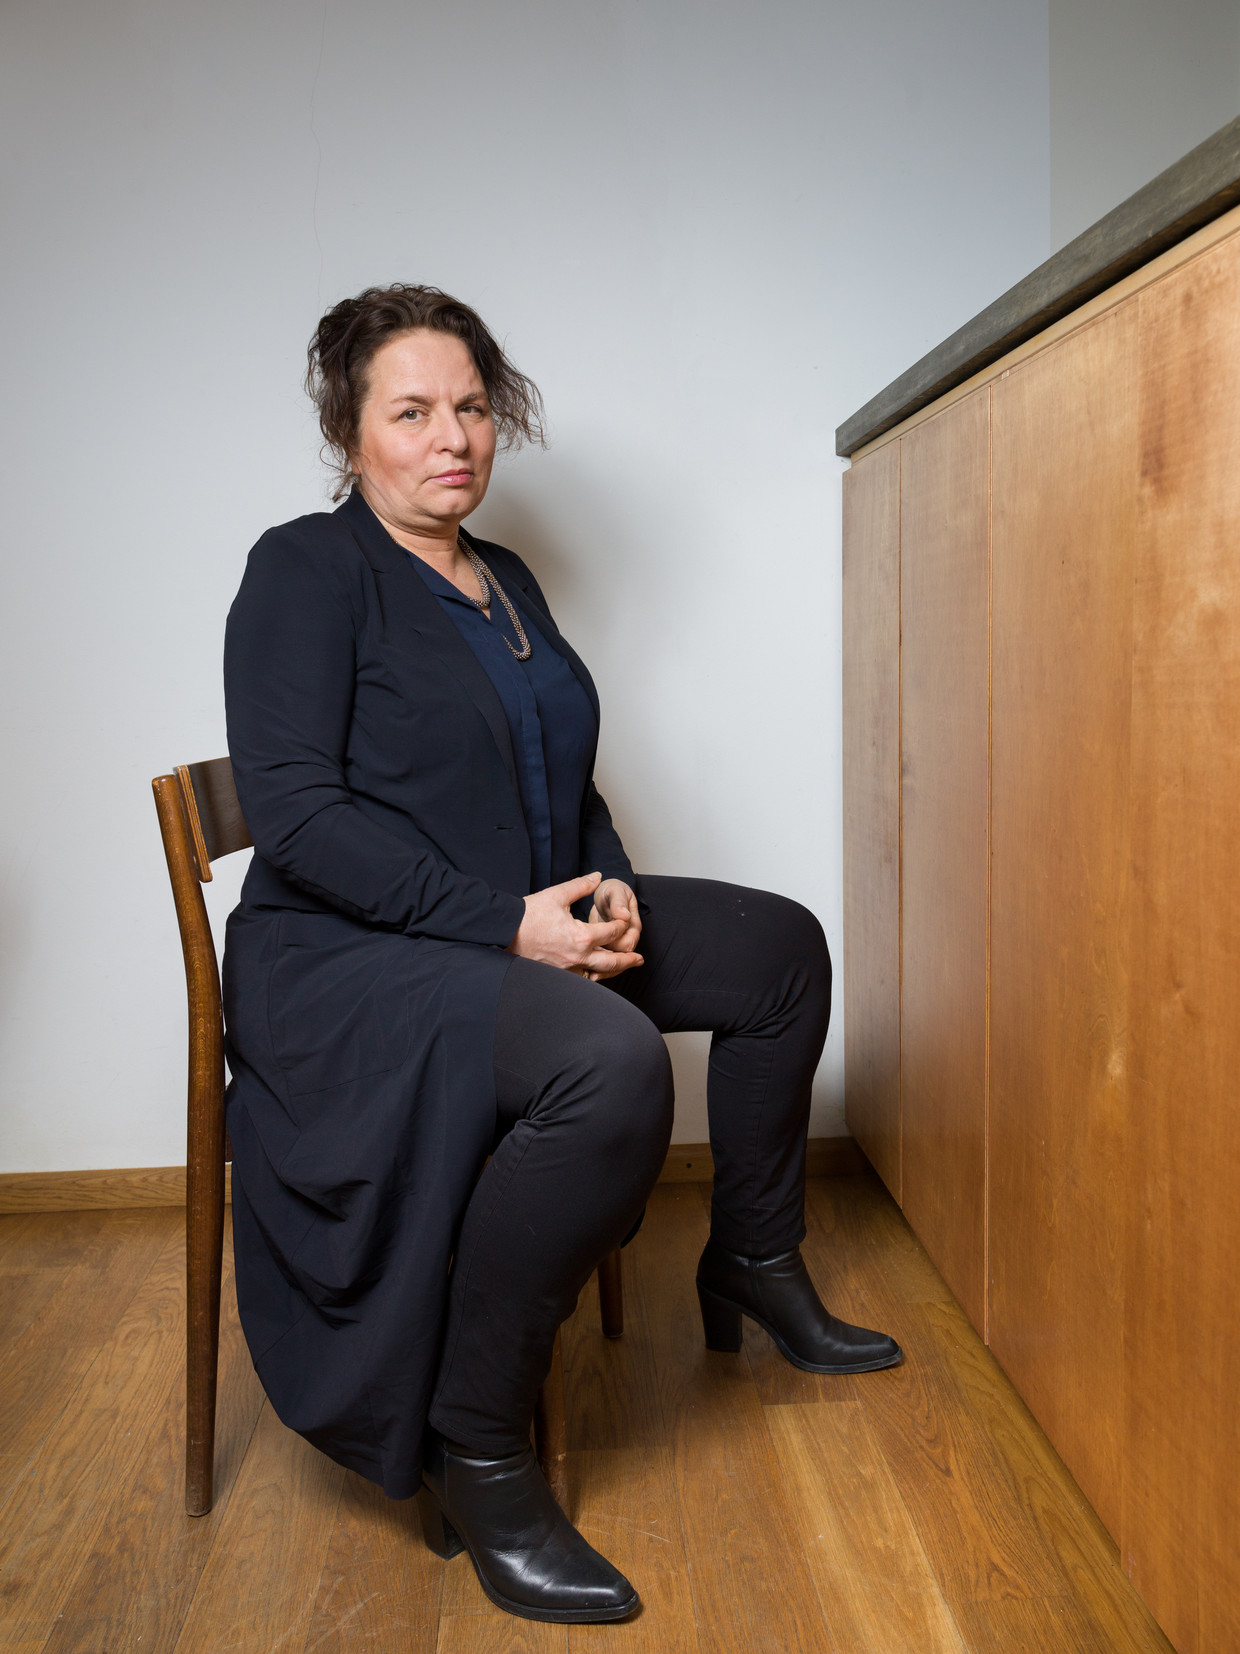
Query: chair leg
[551, 1429]
[611, 1295]
[204, 1237]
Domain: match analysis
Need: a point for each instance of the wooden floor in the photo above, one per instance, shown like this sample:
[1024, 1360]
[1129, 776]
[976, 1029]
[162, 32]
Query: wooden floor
[755, 1507]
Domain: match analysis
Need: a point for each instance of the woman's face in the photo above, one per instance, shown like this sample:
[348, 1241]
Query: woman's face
[426, 438]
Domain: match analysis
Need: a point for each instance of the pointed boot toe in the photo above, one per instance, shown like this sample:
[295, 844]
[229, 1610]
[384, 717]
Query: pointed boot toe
[529, 1558]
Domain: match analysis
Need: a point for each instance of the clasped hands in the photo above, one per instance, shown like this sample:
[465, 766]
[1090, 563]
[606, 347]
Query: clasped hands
[603, 946]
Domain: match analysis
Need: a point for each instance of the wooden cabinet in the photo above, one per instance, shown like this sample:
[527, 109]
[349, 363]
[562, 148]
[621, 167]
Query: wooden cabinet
[1046, 567]
[872, 808]
[1180, 1531]
[943, 720]
[1063, 513]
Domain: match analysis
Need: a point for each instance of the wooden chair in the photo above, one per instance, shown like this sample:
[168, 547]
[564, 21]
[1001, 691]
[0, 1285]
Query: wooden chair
[200, 820]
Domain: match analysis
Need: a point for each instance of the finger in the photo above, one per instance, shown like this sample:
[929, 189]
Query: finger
[604, 933]
[630, 909]
[629, 962]
[626, 941]
[572, 890]
[607, 963]
[610, 915]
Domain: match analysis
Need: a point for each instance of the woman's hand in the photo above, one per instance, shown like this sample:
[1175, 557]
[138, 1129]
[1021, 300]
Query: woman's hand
[615, 900]
[550, 933]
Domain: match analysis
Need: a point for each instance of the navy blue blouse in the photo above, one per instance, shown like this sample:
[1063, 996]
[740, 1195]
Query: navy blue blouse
[554, 731]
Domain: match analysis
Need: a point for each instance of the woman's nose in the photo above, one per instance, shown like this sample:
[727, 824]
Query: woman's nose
[451, 435]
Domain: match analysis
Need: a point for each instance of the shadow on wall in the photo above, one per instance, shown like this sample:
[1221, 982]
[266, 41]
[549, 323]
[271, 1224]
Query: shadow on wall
[513, 520]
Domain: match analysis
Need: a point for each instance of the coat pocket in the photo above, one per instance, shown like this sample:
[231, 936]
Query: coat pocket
[338, 1002]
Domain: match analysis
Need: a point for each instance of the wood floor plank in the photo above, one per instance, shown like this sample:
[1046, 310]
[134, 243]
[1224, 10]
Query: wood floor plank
[102, 1283]
[460, 1592]
[610, 1384]
[1053, 1503]
[864, 1257]
[380, 1587]
[626, 1507]
[979, 1542]
[877, 1588]
[1035, 1626]
[502, 1634]
[257, 1591]
[13, 1466]
[862, 1254]
[35, 1387]
[239, 1395]
[22, 1296]
[136, 1581]
[953, 1484]
[58, 1508]
[95, 1280]
[750, 1580]
[39, 1543]
[46, 1240]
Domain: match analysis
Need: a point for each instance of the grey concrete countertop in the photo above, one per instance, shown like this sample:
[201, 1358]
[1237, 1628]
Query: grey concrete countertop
[1189, 194]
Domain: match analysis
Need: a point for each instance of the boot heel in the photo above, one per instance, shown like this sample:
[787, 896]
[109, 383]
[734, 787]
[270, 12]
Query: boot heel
[439, 1534]
[721, 1322]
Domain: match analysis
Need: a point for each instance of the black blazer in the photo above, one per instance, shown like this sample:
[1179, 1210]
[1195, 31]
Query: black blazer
[377, 778]
[363, 967]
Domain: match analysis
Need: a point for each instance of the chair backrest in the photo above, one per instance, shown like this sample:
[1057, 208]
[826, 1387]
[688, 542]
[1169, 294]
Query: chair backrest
[199, 821]
[213, 813]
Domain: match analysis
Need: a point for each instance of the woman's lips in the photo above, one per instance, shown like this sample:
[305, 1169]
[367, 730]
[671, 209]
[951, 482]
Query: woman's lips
[454, 478]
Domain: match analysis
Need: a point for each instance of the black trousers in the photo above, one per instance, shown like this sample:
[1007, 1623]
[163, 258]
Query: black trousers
[584, 1091]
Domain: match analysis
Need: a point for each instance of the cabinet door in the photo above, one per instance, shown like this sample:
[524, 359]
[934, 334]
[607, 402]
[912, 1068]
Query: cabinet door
[944, 603]
[1181, 1523]
[872, 808]
[1063, 503]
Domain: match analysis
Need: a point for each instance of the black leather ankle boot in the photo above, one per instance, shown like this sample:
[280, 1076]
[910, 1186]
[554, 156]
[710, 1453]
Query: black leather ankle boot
[778, 1294]
[528, 1556]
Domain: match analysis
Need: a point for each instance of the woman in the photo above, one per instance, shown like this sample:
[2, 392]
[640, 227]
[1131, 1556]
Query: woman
[409, 988]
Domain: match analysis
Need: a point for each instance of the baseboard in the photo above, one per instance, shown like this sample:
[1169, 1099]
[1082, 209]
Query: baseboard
[165, 1185]
[92, 1191]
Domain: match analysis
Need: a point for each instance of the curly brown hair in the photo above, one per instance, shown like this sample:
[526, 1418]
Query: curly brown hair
[344, 345]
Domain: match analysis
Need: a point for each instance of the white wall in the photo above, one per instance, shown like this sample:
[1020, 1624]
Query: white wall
[1135, 84]
[710, 231]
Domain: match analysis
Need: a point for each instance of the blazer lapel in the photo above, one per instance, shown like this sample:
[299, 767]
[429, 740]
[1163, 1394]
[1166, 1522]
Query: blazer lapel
[409, 601]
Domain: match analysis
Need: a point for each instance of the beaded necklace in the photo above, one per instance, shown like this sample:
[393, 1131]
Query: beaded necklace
[489, 584]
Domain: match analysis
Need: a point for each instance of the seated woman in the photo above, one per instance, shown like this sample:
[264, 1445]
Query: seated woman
[442, 954]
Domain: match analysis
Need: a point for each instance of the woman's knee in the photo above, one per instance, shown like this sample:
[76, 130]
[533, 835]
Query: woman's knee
[790, 938]
[633, 1094]
[804, 935]
[615, 1097]
[584, 1057]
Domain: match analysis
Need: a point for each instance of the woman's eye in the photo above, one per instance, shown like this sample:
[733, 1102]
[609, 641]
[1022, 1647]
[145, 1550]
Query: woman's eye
[411, 414]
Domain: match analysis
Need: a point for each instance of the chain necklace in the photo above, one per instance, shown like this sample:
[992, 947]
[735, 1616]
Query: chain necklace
[489, 584]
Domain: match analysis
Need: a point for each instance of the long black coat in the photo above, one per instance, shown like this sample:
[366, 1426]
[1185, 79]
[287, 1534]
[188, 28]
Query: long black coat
[363, 967]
